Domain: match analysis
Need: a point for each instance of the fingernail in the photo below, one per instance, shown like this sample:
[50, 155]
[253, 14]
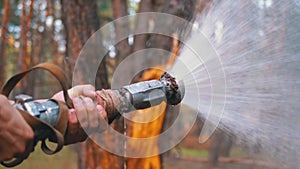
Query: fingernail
[73, 117]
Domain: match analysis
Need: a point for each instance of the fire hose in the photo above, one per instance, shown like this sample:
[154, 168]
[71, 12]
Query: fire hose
[49, 119]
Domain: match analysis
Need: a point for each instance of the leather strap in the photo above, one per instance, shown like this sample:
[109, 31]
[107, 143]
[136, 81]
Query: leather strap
[53, 69]
[53, 133]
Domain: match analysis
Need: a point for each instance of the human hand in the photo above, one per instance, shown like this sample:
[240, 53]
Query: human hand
[86, 115]
[15, 134]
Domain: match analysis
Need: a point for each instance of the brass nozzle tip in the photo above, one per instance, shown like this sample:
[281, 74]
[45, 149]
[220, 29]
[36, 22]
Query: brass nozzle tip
[174, 89]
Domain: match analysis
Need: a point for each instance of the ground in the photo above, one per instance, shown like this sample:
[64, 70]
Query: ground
[189, 154]
[190, 159]
[177, 163]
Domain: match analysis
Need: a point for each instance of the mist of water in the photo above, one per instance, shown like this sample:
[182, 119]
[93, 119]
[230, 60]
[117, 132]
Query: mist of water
[258, 48]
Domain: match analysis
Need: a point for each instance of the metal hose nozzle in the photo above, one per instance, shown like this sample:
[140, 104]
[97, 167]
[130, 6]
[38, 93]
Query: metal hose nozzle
[151, 93]
[141, 95]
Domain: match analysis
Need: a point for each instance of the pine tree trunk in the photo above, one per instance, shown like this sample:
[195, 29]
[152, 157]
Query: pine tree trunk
[91, 155]
[24, 57]
[140, 40]
[183, 9]
[81, 20]
[120, 10]
[3, 38]
[95, 156]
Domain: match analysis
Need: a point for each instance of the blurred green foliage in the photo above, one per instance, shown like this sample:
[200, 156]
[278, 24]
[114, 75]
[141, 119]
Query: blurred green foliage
[66, 159]
[189, 152]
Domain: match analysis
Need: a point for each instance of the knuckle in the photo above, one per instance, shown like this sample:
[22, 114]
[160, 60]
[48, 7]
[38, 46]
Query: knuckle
[20, 148]
[89, 104]
[83, 122]
[30, 135]
[3, 99]
[82, 119]
[91, 87]
[79, 110]
[87, 99]
[78, 105]
[84, 125]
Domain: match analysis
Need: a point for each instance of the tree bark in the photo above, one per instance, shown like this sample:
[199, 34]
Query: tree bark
[120, 10]
[39, 43]
[184, 9]
[123, 48]
[54, 45]
[3, 38]
[95, 156]
[140, 40]
[81, 20]
[24, 57]
[91, 155]
[23, 39]
[181, 8]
